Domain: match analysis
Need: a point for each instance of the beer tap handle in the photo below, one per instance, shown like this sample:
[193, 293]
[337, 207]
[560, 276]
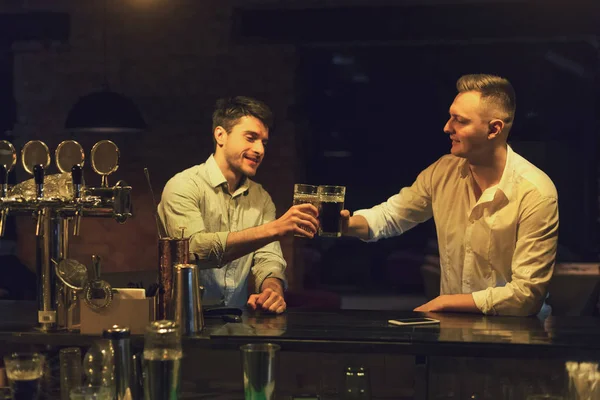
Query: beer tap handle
[4, 180]
[96, 260]
[38, 175]
[77, 176]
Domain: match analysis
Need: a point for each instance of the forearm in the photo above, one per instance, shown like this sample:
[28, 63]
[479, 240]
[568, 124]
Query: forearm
[460, 303]
[274, 284]
[358, 227]
[451, 303]
[244, 242]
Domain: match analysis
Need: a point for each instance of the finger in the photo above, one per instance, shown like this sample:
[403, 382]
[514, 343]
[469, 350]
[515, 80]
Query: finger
[270, 301]
[281, 309]
[308, 208]
[263, 297]
[308, 220]
[345, 214]
[252, 301]
[303, 229]
[275, 306]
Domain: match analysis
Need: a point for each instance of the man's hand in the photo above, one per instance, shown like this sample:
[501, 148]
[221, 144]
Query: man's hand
[345, 215]
[450, 302]
[356, 225]
[299, 220]
[270, 299]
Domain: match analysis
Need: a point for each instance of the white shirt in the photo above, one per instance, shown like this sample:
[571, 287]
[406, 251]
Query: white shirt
[199, 200]
[500, 248]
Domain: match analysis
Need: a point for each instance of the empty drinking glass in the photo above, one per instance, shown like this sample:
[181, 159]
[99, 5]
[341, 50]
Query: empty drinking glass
[70, 370]
[259, 364]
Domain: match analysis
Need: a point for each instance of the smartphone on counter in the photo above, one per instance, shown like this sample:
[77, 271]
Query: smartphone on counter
[413, 321]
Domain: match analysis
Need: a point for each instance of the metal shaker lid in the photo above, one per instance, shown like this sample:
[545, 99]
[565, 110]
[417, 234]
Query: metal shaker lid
[163, 327]
[116, 332]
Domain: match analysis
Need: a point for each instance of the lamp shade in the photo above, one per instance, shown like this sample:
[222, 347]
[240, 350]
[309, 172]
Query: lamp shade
[105, 112]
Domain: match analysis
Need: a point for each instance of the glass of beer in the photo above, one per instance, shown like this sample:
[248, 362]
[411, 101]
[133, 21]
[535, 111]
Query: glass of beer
[24, 372]
[331, 200]
[306, 194]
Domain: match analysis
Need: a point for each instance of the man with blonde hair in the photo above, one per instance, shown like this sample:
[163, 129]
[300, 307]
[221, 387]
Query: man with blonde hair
[496, 214]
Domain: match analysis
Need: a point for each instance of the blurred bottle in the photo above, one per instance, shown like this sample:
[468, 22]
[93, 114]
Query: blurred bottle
[162, 361]
[98, 365]
[70, 370]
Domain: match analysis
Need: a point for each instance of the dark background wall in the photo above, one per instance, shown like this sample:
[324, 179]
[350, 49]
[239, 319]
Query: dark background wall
[360, 90]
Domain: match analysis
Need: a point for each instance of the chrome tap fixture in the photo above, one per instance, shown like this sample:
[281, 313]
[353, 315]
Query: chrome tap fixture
[55, 200]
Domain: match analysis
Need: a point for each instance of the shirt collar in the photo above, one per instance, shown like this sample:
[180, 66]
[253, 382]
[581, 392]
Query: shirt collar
[216, 177]
[506, 181]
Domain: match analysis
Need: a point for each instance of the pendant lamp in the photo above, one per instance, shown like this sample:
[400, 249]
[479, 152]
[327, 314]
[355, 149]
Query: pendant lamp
[105, 111]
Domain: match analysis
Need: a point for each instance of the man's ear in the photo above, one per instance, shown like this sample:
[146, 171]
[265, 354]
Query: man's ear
[496, 127]
[220, 135]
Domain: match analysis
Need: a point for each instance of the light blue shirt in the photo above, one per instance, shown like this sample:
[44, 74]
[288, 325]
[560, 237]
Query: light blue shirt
[198, 200]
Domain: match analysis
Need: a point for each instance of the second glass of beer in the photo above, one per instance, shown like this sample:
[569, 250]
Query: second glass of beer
[331, 199]
[306, 194]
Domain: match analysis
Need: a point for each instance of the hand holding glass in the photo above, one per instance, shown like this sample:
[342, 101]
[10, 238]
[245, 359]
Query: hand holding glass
[304, 194]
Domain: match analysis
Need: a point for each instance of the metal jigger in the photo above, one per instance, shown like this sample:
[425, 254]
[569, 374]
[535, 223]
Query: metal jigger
[186, 307]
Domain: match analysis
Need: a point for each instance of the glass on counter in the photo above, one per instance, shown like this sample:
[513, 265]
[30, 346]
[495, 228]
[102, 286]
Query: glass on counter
[162, 361]
[259, 361]
[24, 372]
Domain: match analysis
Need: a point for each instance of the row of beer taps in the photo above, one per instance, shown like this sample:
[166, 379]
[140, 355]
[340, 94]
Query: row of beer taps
[55, 200]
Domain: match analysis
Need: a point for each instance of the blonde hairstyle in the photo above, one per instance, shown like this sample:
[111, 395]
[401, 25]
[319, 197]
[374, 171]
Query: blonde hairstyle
[494, 90]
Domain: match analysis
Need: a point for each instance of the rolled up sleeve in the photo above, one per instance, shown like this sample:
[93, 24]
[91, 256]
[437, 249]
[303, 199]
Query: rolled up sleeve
[532, 265]
[268, 261]
[402, 211]
[180, 207]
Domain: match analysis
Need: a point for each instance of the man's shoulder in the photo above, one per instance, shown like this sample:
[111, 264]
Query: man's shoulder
[447, 166]
[533, 178]
[188, 177]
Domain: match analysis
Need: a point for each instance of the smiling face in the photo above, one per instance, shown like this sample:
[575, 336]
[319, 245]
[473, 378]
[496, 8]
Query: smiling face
[469, 126]
[240, 152]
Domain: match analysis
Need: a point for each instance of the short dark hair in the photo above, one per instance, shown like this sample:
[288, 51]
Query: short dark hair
[229, 110]
[493, 89]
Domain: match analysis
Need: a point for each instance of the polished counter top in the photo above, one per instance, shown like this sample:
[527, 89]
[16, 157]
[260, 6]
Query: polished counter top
[362, 332]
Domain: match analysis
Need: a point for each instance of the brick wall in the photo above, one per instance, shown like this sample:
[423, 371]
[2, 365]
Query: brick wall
[174, 59]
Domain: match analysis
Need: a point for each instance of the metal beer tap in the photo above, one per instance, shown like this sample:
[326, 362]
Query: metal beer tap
[8, 159]
[38, 174]
[54, 200]
[77, 177]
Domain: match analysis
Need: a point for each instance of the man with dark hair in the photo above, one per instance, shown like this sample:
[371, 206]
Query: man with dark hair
[496, 214]
[231, 219]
